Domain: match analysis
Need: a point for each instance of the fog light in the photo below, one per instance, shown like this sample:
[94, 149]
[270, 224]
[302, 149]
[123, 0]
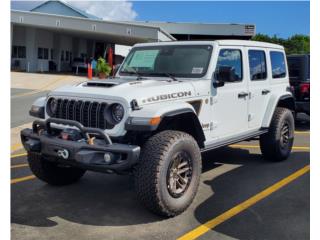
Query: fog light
[107, 158]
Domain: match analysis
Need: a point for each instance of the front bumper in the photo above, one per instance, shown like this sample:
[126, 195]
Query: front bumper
[43, 139]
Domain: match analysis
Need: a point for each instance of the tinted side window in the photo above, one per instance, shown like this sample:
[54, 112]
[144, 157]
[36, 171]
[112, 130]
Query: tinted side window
[278, 64]
[294, 65]
[257, 64]
[230, 59]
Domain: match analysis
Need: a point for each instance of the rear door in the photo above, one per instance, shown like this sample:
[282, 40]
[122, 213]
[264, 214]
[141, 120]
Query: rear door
[259, 86]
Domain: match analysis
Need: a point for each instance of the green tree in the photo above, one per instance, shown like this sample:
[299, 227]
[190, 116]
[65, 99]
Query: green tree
[296, 44]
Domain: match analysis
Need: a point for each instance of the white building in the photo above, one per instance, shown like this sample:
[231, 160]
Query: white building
[50, 36]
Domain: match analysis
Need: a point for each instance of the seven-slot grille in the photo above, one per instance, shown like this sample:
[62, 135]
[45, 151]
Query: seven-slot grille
[89, 114]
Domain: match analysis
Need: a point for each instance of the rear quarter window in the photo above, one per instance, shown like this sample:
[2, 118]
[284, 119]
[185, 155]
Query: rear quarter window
[278, 64]
[257, 65]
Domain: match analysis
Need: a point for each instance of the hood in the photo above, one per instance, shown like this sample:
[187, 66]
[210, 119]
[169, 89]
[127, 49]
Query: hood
[145, 91]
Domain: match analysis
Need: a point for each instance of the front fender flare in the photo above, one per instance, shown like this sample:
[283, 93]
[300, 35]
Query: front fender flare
[140, 120]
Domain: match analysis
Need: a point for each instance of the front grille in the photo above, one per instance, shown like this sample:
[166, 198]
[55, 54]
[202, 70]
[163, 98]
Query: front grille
[89, 114]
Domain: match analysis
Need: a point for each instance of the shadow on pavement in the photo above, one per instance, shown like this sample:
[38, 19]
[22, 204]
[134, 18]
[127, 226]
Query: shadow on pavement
[238, 185]
[302, 122]
[109, 200]
[101, 200]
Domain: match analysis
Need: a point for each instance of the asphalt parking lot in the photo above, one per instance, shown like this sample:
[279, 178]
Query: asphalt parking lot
[241, 196]
[21, 100]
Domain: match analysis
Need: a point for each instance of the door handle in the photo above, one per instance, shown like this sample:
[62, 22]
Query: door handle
[243, 95]
[265, 91]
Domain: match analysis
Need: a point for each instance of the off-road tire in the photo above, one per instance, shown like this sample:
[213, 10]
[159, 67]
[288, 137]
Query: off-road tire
[271, 143]
[152, 171]
[51, 172]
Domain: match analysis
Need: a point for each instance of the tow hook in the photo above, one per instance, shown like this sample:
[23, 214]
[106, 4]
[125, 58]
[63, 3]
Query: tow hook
[63, 153]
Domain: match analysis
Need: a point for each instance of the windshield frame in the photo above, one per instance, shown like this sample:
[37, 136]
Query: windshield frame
[156, 47]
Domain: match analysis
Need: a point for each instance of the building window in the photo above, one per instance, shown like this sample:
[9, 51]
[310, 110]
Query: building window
[62, 56]
[83, 55]
[22, 52]
[43, 53]
[230, 59]
[40, 53]
[18, 52]
[51, 53]
[278, 64]
[257, 64]
[70, 57]
[67, 56]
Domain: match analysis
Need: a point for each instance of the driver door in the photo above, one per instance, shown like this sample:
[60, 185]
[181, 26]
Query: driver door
[230, 102]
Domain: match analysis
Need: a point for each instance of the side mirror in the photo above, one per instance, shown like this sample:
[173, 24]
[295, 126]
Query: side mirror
[225, 74]
[218, 83]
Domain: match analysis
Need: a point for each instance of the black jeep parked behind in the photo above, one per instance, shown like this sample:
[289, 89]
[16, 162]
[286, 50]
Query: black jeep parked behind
[299, 73]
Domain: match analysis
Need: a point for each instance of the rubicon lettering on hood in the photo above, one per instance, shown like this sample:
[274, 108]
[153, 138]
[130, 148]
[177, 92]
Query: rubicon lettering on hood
[167, 96]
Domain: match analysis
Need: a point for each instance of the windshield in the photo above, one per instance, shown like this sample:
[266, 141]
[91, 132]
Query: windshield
[186, 61]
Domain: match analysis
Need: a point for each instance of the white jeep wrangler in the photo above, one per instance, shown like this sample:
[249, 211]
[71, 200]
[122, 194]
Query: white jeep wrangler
[168, 103]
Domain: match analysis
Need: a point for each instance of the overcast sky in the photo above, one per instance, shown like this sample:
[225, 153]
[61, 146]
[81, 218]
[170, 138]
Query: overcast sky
[283, 18]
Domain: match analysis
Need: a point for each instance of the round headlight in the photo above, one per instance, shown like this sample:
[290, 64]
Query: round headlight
[117, 112]
[52, 106]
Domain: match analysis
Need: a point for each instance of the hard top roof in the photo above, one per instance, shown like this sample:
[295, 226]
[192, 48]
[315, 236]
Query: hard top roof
[246, 43]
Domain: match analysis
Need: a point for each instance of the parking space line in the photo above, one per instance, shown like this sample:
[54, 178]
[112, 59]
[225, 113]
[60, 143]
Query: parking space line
[257, 146]
[20, 165]
[202, 229]
[302, 132]
[18, 155]
[300, 148]
[22, 179]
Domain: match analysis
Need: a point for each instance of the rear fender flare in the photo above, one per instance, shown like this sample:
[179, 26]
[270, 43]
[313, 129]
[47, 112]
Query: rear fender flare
[286, 100]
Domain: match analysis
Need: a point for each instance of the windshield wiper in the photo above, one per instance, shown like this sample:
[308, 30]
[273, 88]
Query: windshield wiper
[170, 75]
[133, 71]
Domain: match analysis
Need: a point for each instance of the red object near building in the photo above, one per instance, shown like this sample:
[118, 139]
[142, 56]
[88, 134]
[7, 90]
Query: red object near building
[110, 57]
[89, 71]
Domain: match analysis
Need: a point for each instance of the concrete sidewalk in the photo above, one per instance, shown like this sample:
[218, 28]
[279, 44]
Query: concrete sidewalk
[42, 81]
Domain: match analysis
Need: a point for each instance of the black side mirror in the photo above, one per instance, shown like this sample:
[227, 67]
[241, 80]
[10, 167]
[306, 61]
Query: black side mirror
[226, 74]
[218, 83]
